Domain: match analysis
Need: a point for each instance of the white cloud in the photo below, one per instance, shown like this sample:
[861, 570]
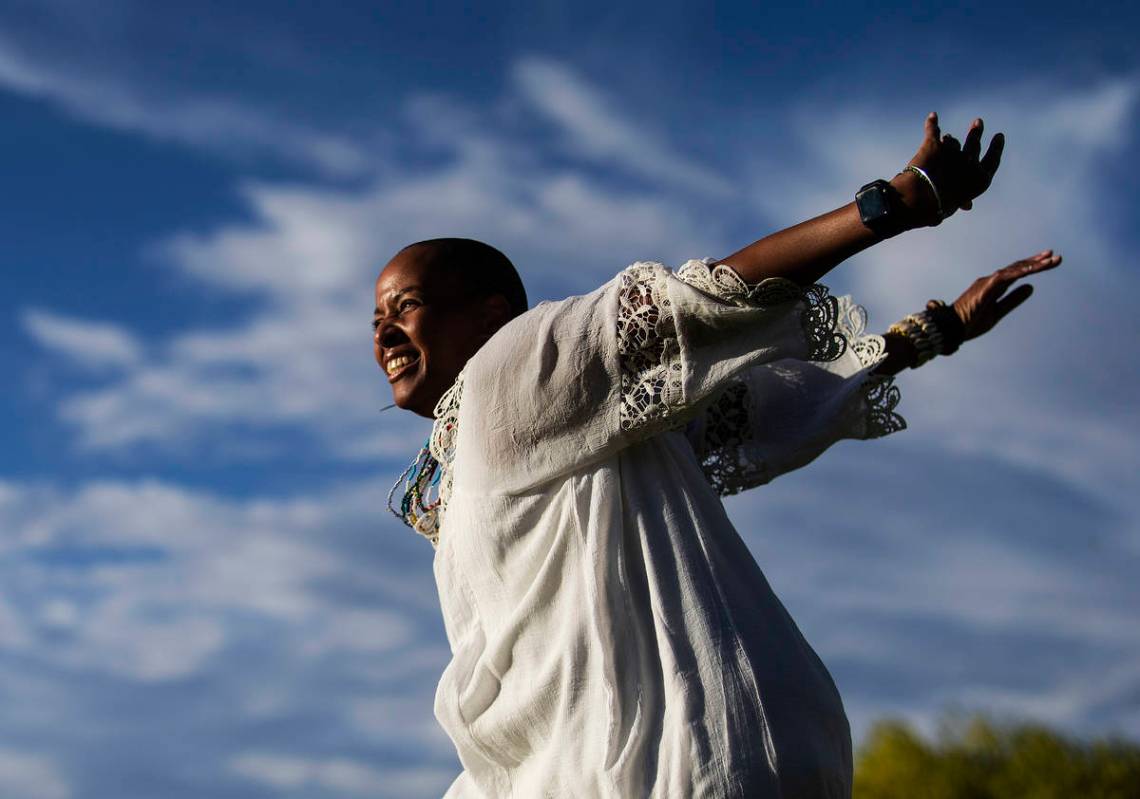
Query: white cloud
[371, 632]
[31, 776]
[294, 773]
[160, 574]
[928, 578]
[215, 124]
[304, 358]
[391, 719]
[312, 252]
[341, 775]
[1097, 119]
[13, 631]
[186, 584]
[594, 127]
[146, 605]
[87, 343]
[1049, 377]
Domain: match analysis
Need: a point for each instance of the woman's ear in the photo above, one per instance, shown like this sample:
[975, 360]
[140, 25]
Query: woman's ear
[496, 312]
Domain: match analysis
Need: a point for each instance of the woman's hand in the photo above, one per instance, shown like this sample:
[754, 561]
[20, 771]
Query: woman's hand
[983, 305]
[959, 172]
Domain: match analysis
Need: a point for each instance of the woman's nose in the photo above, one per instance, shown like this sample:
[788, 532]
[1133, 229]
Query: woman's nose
[390, 335]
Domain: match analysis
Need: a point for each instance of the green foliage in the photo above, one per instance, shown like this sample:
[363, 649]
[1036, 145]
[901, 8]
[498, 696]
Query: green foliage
[976, 758]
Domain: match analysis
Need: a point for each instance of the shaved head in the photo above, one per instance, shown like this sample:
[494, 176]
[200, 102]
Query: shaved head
[482, 269]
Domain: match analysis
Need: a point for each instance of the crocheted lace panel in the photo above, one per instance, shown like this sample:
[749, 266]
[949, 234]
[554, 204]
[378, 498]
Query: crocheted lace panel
[731, 466]
[650, 354]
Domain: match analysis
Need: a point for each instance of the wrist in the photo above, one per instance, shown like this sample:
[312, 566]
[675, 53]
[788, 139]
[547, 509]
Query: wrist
[901, 354]
[881, 209]
[936, 330]
[919, 206]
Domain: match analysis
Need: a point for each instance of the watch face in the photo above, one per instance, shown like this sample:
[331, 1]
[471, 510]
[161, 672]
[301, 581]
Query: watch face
[873, 204]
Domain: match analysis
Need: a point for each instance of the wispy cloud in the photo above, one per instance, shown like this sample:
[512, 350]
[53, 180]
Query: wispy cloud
[278, 610]
[960, 593]
[345, 777]
[311, 255]
[87, 343]
[312, 252]
[217, 124]
[1006, 493]
[31, 776]
[1013, 484]
[1079, 320]
[592, 126]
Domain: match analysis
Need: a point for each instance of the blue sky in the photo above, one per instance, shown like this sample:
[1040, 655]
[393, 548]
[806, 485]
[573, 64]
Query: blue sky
[201, 593]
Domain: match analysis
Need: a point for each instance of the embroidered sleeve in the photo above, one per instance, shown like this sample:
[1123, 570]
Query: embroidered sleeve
[657, 389]
[817, 317]
[727, 432]
[649, 353]
[744, 439]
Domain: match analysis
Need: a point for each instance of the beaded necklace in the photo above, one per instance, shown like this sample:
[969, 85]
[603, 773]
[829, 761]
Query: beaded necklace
[427, 482]
[418, 507]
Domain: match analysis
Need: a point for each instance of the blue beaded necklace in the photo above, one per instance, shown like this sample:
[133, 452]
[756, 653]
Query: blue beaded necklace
[420, 479]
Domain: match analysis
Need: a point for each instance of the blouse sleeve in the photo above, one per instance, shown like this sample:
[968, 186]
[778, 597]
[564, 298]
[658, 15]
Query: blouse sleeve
[776, 417]
[569, 383]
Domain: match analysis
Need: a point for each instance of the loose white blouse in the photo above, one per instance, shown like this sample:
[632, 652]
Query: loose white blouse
[612, 635]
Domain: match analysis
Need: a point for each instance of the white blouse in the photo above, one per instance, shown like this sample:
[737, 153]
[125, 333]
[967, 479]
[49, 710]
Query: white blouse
[612, 636]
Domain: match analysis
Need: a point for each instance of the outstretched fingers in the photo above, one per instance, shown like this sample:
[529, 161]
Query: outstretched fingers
[932, 132]
[972, 146]
[1011, 301]
[986, 302]
[1003, 278]
[992, 158]
[1046, 259]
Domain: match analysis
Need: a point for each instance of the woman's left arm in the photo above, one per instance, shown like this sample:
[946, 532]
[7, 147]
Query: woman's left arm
[977, 310]
[957, 174]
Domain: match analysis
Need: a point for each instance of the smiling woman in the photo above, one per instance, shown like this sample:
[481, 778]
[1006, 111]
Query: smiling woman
[437, 302]
[611, 634]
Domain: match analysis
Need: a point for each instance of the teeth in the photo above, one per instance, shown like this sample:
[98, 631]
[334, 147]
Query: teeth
[398, 363]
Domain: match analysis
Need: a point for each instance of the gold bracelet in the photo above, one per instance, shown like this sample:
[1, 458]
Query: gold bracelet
[925, 335]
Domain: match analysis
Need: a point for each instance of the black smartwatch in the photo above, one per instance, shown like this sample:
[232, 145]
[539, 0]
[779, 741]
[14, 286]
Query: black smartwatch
[879, 207]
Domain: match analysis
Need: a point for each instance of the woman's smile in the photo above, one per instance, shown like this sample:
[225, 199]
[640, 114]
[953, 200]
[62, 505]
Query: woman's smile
[400, 364]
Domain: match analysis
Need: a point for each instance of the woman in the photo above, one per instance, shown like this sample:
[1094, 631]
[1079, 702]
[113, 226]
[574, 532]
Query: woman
[612, 636]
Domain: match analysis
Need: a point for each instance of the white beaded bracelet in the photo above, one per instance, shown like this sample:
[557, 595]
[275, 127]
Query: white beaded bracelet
[924, 334]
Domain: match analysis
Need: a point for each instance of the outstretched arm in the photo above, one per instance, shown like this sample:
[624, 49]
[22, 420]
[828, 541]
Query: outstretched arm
[807, 251]
[979, 308]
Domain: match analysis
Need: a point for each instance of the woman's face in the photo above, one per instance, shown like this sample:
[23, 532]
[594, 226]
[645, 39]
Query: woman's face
[425, 328]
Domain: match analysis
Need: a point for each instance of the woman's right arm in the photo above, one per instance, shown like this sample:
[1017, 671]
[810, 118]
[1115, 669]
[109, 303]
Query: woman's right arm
[806, 252]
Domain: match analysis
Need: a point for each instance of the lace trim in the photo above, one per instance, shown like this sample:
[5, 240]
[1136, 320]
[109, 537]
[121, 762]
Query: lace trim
[879, 391]
[440, 449]
[728, 424]
[652, 373]
[652, 376]
[727, 429]
[819, 317]
[444, 436]
[882, 395]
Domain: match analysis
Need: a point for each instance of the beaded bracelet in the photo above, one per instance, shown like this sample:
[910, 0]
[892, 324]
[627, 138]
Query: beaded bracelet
[935, 331]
